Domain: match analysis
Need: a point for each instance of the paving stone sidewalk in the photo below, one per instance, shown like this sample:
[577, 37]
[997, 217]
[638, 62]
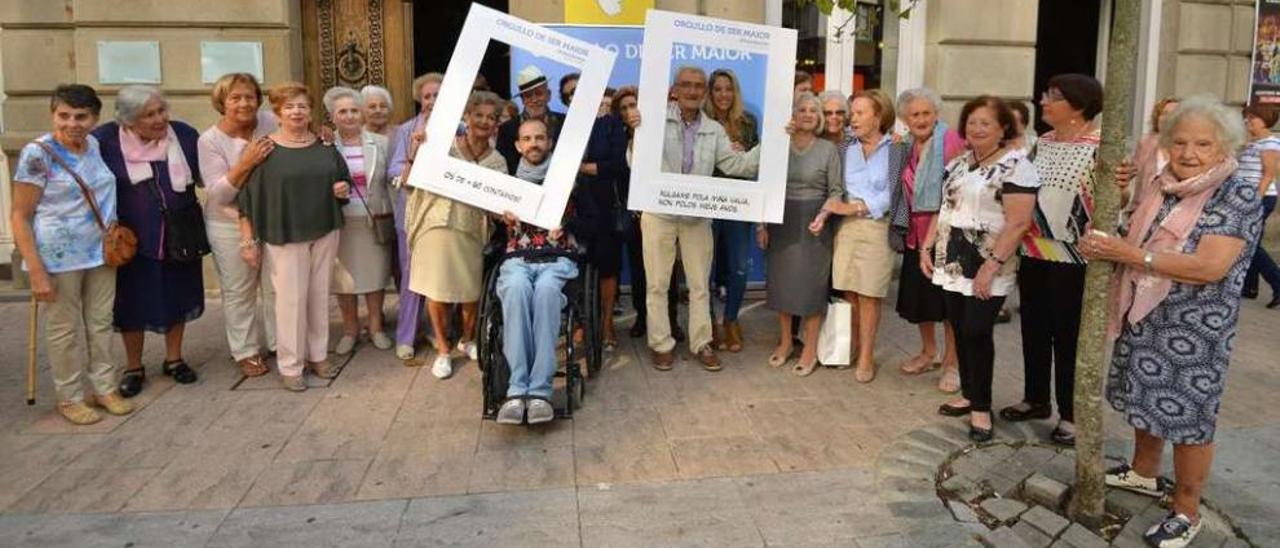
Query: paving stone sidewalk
[388, 455]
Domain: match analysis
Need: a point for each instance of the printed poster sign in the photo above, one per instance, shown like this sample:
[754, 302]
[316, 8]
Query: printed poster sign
[1264, 85]
[435, 170]
[677, 45]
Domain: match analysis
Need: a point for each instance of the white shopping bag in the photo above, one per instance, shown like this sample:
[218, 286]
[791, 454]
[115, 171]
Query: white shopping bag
[836, 334]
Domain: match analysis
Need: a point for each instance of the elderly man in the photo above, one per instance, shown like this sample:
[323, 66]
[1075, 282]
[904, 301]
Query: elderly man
[693, 144]
[403, 142]
[534, 95]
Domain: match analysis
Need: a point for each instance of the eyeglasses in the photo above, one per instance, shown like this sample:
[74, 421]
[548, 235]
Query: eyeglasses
[691, 85]
[1052, 95]
[833, 112]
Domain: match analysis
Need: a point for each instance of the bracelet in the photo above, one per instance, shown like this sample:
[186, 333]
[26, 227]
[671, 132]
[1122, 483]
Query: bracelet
[1149, 261]
[245, 244]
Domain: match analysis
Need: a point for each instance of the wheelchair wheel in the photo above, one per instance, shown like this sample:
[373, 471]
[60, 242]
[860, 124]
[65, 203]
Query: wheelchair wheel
[493, 365]
[594, 321]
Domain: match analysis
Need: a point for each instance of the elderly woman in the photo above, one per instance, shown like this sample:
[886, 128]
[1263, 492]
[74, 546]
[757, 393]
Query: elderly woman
[61, 246]
[447, 238]
[917, 196]
[157, 167]
[863, 263]
[292, 203]
[1051, 275]
[229, 150]
[732, 238]
[835, 119]
[1259, 165]
[405, 141]
[989, 193]
[1180, 262]
[798, 252]
[376, 108]
[364, 263]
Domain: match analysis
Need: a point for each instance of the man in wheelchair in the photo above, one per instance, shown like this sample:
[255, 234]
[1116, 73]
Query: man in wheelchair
[531, 278]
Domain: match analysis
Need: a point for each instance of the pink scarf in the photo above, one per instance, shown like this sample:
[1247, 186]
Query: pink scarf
[1138, 291]
[139, 154]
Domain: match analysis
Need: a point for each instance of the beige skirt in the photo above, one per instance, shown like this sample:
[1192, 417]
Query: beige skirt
[863, 261]
[446, 265]
[363, 265]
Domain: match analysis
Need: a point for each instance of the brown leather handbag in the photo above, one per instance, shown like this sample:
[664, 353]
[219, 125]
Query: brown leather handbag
[119, 244]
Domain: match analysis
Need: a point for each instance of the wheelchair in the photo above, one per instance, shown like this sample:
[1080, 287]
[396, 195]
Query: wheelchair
[582, 311]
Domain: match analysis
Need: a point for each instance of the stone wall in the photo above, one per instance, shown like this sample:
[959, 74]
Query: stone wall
[969, 52]
[1205, 48]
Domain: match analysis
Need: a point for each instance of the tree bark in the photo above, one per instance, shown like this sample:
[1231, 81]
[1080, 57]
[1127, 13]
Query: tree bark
[1088, 502]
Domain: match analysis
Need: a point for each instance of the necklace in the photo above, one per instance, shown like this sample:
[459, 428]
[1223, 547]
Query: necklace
[976, 163]
[292, 139]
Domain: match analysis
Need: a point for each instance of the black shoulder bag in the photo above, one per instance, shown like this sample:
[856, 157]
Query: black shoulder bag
[185, 239]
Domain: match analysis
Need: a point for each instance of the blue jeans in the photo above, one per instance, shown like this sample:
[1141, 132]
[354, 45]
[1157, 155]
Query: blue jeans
[733, 255]
[532, 297]
[1262, 262]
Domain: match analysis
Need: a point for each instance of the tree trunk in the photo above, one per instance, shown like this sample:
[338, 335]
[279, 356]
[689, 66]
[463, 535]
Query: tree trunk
[1087, 505]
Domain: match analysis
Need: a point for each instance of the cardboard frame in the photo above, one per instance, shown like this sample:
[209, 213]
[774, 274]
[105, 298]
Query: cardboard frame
[541, 205]
[656, 191]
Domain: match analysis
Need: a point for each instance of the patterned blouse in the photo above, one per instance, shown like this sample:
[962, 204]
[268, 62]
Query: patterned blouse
[1064, 205]
[972, 216]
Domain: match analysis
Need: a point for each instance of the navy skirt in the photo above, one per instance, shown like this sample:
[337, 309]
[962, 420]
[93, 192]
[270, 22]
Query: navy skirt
[153, 295]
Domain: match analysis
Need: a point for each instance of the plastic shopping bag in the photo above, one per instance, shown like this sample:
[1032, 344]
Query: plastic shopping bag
[836, 334]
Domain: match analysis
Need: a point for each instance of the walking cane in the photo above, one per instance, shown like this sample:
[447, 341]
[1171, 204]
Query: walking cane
[31, 352]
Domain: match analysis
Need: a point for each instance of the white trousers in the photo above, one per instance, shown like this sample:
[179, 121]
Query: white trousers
[248, 297]
[301, 273]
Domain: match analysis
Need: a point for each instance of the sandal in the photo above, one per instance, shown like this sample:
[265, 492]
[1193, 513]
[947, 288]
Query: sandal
[252, 366]
[778, 360]
[733, 336]
[801, 369]
[918, 365]
[950, 381]
[131, 382]
[179, 370]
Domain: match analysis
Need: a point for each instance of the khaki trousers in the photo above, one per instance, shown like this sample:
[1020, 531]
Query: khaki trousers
[248, 298]
[301, 273]
[661, 234]
[78, 331]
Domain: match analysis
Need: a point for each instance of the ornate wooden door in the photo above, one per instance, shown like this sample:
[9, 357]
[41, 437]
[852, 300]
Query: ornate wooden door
[359, 42]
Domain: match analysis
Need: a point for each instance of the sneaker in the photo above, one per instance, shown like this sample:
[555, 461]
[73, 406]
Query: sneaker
[442, 367]
[1123, 477]
[381, 341]
[115, 404]
[540, 411]
[511, 412]
[345, 345]
[78, 413]
[293, 383]
[323, 369]
[1175, 531]
[404, 351]
[469, 349]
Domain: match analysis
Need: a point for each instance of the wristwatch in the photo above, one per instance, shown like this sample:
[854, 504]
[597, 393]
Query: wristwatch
[1149, 261]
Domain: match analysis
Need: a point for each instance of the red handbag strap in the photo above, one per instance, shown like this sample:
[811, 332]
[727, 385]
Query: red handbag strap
[84, 187]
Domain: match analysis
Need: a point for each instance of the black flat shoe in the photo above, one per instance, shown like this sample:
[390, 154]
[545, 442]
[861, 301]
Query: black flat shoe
[980, 435]
[1275, 302]
[948, 410]
[1249, 294]
[180, 371]
[131, 382]
[1036, 411]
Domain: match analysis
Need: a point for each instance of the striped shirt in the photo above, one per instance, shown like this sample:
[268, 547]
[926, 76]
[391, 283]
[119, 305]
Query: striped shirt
[1251, 161]
[354, 155]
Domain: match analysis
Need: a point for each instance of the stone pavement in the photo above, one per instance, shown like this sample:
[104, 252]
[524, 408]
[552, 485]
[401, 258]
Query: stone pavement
[389, 455]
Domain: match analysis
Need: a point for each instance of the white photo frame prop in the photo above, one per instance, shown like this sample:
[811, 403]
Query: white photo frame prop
[656, 191]
[542, 205]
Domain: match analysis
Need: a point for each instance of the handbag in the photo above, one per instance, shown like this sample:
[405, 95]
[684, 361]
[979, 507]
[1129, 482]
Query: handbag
[836, 334]
[119, 244]
[185, 239]
[622, 217]
[384, 224]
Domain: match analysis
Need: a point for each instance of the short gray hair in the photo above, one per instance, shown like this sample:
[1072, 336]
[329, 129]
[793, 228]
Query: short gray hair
[379, 91]
[907, 97]
[806, 97]
[339, 92]
[835, 94]
[1231, 132]
[691, 68]
[130, 101]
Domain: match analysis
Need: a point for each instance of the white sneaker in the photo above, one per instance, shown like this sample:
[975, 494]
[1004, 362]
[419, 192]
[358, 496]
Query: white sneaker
[470, 349]
[404, 351]
[540, 411]
[511, 412]
[345, 345]
[1124, 477]
[1175, 531]
[443, 367]
[381, 341]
